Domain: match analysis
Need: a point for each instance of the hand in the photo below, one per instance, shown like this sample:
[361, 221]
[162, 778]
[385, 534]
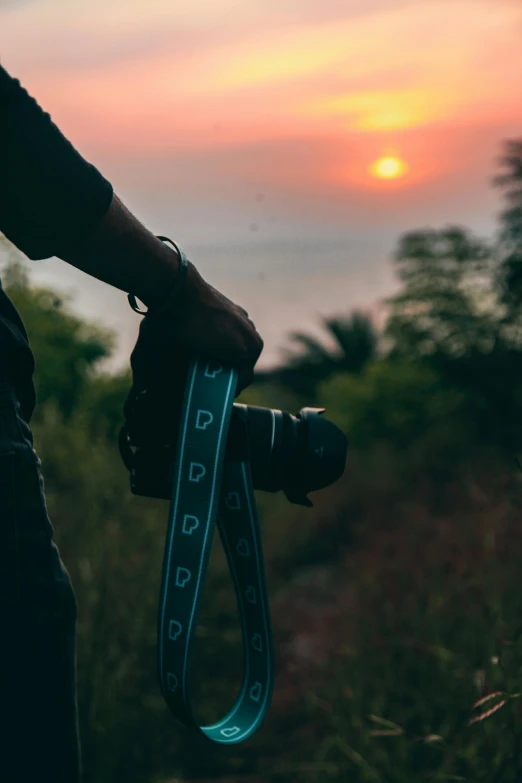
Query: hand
[204, 321]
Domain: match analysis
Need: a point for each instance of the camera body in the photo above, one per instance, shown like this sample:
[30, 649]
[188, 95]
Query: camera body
[296, 454]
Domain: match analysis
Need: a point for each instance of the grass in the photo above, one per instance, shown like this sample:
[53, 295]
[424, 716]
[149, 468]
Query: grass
[423, 677]
[415, 674]
[397, 613]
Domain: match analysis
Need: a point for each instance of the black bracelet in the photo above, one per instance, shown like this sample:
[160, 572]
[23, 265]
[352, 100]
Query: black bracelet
[177, 289]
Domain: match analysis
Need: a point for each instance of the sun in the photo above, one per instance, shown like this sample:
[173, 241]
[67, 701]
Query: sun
[388, 168]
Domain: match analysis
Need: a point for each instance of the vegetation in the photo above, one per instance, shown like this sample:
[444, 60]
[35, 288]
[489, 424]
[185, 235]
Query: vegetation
[396, 601]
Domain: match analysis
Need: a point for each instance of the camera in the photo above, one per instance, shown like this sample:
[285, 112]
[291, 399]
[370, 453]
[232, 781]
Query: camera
[296, 454]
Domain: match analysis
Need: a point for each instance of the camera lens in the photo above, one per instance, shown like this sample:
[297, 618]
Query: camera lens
[296, 454]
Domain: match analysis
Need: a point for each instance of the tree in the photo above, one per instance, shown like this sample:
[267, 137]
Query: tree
[510, 180]
[67, 350]
[509, 277]
[446, 306]
[356, 341]
[449, 314]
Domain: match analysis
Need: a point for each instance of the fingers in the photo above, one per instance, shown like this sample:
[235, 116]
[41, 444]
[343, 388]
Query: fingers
[221, 329]
[242, 309]
[246, 367]
[244, 379]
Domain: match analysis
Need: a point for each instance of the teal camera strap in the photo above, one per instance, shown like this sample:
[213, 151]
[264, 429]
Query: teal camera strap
[205, 488]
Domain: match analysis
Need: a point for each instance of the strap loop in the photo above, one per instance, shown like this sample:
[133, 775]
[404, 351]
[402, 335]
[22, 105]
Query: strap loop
[203, 487]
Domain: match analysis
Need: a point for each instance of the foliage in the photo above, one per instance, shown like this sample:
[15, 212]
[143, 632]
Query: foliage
[356, 342]
[511, 181]
[443, 304]
[448, 314]
[403, 403]
[65, 347]
[509, 276]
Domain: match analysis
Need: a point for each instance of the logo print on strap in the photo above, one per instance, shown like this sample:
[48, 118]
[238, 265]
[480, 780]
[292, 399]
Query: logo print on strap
[172, 681]
[242, 547]
[194, 474]
[175, 629]
[231, 732]
[212, 369]
[187, 527]
[232, 501]
[255, 691]
[182, 576]
[257, 642]
[250, 595]
[203, 419]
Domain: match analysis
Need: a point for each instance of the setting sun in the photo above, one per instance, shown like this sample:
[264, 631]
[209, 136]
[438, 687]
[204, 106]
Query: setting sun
[388, 168]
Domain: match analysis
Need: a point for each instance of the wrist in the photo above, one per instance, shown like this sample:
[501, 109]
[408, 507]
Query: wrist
[166, 300]
[125, 254]
[159, 287]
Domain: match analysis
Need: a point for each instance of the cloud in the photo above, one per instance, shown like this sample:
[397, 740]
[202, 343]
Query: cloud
[7, 5]
[224, 92]
[324, 79]
[235, 41]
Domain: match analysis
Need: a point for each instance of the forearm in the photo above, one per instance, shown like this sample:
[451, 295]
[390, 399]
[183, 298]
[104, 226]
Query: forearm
[53, 202]
[50, 196]
[126, 255]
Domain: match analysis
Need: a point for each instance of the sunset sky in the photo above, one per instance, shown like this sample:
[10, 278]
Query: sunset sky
[237, 126]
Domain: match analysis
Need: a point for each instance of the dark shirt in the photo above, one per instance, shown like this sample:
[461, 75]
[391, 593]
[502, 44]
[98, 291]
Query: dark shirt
[50, 199]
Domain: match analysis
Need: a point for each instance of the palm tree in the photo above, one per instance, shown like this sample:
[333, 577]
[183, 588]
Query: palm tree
[356, 343]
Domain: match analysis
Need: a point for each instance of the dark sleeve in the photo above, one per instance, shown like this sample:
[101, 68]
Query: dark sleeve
[50, 197]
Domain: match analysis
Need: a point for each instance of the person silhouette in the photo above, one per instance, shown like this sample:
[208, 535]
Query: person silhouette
[54, 203]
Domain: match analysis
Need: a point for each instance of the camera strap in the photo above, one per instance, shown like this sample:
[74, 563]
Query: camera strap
[203, 488]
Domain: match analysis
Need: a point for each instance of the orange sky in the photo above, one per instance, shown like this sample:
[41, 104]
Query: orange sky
[129, 80]
[256, 119]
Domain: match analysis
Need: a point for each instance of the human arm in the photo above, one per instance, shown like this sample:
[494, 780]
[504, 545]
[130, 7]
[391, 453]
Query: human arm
[54, 203]
[122, 252]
